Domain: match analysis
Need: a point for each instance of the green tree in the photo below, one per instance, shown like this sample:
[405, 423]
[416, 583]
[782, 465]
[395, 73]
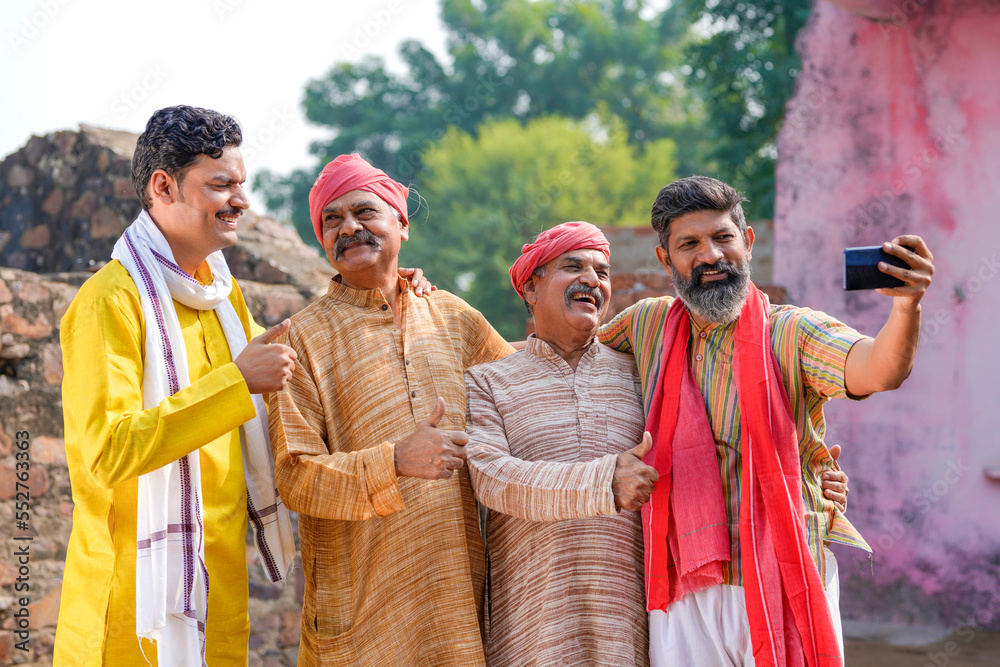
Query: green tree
[741, 59]
[488, 194]
[509, 59]
[713, 76]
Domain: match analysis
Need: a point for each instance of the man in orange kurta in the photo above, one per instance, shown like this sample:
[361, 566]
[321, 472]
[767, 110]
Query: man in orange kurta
[188, 173]
[369, 445]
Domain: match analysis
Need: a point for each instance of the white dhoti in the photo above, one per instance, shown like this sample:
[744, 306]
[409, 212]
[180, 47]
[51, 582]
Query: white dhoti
[710, 628]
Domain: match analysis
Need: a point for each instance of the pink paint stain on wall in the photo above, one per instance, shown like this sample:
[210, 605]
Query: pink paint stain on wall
[895, 128]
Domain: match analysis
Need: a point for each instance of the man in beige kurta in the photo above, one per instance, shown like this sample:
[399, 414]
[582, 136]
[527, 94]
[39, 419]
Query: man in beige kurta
[554, 431]
[371, 456]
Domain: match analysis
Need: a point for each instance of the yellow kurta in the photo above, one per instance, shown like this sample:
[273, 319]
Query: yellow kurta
[111, 440]
[394, 567]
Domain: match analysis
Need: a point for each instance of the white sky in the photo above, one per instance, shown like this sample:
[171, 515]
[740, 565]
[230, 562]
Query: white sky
[114, 62]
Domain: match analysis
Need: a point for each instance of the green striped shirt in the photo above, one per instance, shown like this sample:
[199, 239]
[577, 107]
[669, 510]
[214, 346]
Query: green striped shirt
[811, 348]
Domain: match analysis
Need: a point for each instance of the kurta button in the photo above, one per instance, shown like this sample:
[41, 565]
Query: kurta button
[413, 394]
[698, 358]
[407, 362]
[703, 334]
[385, 307]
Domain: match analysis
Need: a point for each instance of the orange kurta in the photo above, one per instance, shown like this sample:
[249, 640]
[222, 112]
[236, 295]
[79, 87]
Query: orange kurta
[394, 567]
[111, 440]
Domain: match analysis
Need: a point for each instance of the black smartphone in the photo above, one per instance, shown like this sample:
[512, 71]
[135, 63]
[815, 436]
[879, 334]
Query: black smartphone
[861, 268]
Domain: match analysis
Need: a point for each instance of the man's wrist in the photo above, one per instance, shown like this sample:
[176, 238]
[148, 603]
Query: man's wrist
[907, 306]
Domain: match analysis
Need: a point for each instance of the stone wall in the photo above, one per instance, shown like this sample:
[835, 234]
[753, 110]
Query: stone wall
[66, 197]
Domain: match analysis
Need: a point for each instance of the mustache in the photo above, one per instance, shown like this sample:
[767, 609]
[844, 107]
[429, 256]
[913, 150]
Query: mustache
[360, 236]
[718, 300]
[230, 211]
[722, 265]
[580, 288]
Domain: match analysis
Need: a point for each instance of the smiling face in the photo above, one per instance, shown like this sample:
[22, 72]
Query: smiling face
[198, 210]
[570, 298]
[362, 235]
[709, 260]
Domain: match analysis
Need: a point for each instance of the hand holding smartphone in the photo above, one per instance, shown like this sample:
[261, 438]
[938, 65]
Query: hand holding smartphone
[861, 268]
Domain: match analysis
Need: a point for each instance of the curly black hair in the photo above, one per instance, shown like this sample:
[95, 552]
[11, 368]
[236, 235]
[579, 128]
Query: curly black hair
[174, 138]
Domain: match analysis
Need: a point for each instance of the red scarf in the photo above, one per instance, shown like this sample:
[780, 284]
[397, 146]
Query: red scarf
[684, 523]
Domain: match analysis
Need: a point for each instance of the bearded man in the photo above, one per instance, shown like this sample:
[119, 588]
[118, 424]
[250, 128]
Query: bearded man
[736, 568]
[554, 449]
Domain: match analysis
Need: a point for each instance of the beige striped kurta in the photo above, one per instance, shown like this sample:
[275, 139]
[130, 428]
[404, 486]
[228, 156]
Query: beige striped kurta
[394, 568]
[566, 578]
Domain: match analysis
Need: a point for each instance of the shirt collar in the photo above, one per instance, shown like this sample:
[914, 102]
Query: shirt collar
[364, 298]
[203, 274]
[540, 348]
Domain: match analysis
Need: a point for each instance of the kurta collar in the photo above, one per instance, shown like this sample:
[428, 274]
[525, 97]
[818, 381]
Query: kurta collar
[203, 274]
[540, 348]
[363, 298]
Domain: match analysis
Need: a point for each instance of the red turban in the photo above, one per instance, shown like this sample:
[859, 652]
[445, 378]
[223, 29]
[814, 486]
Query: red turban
[352, 172]
[552, 243]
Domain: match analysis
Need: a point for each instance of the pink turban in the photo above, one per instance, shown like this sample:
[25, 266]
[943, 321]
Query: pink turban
[552, 243]
[352, 172]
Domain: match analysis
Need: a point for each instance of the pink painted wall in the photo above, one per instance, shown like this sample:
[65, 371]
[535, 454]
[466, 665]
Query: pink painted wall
[895, 127]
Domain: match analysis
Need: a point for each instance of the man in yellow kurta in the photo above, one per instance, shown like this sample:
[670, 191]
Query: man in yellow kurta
[188, 173]
[369, 446]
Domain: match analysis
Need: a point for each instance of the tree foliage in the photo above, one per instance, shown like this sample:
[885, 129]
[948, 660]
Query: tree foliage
[509, 59]
[489, 194]
[487, 133]
[741, 59]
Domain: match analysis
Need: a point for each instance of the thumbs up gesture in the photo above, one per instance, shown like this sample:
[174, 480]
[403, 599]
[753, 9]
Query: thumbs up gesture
[267, 366]
[634, 480]
[430, 452]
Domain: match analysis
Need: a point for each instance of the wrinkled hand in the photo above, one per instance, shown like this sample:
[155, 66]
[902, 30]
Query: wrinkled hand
[266, 366]
[634, 480]
[421, 286]
[430, 452]
[835, 482]
[917, 277]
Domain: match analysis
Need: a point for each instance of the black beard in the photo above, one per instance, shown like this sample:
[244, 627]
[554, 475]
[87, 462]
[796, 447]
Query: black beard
[580, 288]
[360, 236]
[717, 301]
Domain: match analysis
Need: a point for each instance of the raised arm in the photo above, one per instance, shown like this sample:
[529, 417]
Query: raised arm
[884, 362]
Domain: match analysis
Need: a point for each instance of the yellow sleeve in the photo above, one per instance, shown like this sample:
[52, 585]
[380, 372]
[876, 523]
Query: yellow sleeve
[103, 348]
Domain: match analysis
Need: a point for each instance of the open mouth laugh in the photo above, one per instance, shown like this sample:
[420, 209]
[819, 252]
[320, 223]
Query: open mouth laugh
[585, 294]
[229, 217]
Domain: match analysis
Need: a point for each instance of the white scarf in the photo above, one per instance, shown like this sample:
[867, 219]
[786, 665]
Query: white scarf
[171, 580]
